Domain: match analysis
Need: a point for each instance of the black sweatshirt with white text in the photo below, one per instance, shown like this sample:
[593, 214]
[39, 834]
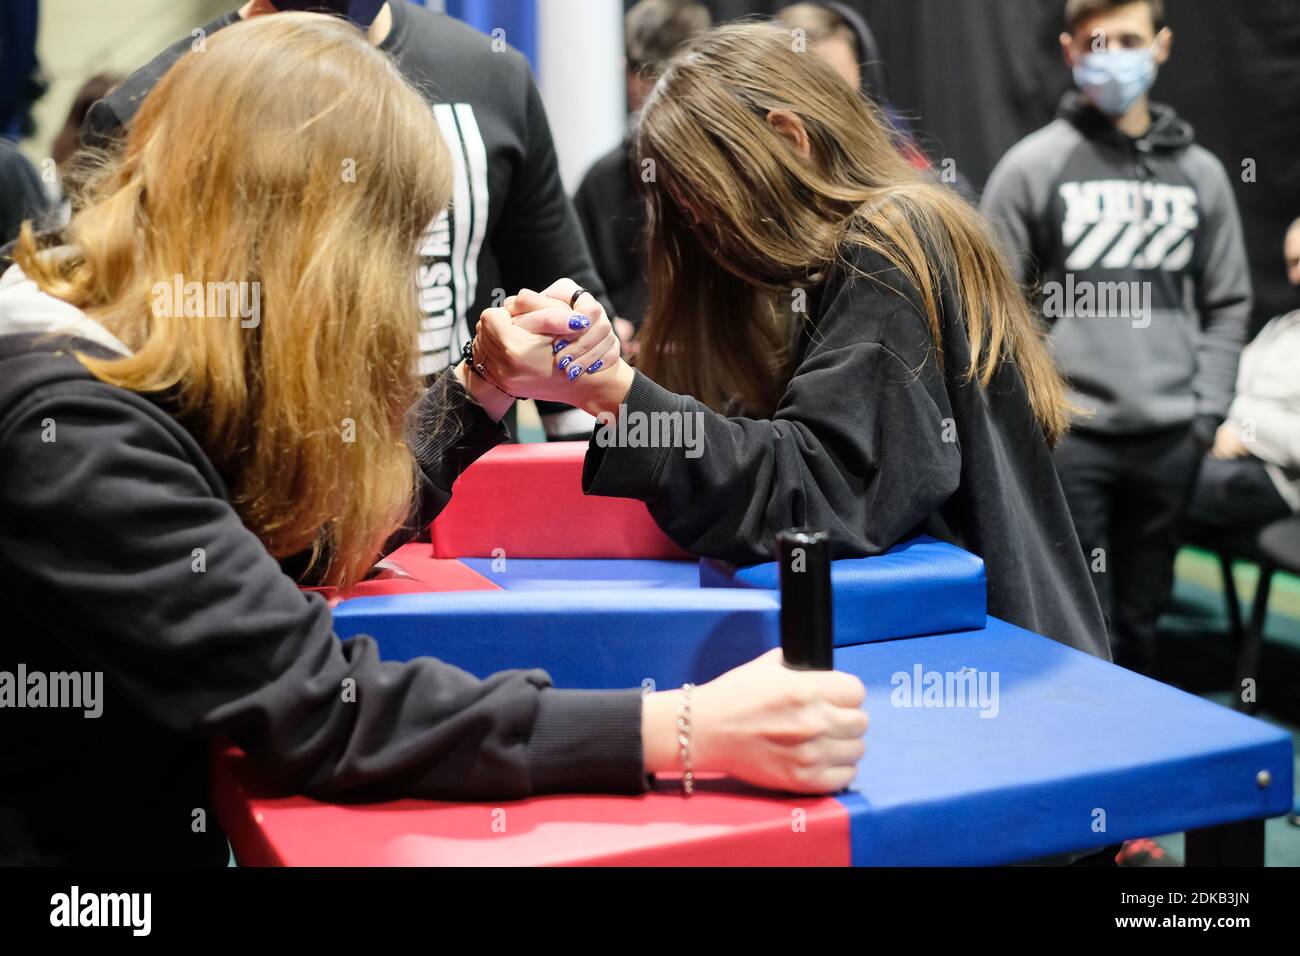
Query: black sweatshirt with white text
[510, 224]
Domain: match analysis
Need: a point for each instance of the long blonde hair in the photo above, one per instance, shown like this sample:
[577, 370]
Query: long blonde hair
[289, 153]
[738, 216]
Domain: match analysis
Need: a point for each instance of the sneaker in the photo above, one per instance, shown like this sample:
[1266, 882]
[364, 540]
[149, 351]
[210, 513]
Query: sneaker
[1144, 852]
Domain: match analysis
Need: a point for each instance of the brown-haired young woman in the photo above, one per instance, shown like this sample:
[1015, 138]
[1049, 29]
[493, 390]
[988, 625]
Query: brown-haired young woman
[883, 373]
[163, 448]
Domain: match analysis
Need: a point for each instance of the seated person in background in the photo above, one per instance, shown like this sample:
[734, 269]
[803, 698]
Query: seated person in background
[843, 331]
[608, 201]
[156, 462]
[1252, 475]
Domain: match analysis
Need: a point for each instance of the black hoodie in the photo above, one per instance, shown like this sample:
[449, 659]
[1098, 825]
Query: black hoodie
[875, 440]
[104, 499]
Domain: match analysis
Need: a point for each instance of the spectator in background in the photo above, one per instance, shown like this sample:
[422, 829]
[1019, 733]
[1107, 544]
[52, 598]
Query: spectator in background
[1252, 476]
[70, 139]
[839, 34]
[1130, 234]
[22, 196]
[609, 205]
[21, 83]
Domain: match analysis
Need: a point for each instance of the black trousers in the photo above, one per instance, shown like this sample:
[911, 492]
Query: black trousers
[1236, 495]
[1127, 495]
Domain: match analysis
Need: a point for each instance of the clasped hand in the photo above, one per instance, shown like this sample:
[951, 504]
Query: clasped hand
[536, 346]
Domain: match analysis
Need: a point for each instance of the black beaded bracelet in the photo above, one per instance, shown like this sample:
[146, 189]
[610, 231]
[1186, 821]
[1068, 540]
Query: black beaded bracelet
[478, 368]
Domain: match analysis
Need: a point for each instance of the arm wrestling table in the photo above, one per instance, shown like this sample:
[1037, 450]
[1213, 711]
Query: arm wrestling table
[988, 744]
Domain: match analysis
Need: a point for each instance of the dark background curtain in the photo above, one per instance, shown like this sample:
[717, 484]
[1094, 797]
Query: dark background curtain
[977, 75]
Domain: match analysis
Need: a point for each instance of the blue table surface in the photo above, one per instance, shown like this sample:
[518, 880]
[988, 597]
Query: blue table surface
[578, 574]
[1076, 744]
[1077, 753]
[922, 586]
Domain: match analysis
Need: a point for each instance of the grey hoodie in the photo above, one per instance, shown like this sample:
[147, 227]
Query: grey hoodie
[1134, 250]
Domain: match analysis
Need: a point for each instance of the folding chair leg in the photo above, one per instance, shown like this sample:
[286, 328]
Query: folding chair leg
[1229, 844]
[1237, 630]
[1248, 658]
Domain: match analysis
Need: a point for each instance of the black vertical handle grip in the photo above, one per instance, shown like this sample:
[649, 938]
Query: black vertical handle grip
[807, 639]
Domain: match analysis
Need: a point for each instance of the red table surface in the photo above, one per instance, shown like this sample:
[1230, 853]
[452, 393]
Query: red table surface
[412, 569]
[722, 824]
[526, 500]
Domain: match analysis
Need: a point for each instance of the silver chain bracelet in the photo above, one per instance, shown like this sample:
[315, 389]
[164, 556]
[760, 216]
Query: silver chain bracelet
[684, 740]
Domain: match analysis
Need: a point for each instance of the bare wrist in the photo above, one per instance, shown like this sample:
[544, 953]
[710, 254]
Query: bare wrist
[491, 399]
[605, 391]
[659, 731]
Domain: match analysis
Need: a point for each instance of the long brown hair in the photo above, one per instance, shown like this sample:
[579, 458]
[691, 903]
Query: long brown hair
[738, 217]
[288, 153]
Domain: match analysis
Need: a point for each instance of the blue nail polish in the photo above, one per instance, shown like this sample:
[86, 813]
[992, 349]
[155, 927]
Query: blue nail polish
[560, 346]
[564, 362]
[596, 366]
[575, 372]
[578, 322]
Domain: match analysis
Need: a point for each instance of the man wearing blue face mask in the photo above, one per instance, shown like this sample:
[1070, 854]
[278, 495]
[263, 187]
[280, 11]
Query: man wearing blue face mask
[1128, 234]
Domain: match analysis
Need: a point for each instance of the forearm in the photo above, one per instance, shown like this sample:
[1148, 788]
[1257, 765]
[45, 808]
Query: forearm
[722, 487]
[1271, 432]
[447, 430]
[604, 392]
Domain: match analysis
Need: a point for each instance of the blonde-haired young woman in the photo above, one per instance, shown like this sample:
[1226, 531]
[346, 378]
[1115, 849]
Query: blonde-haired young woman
[162, 450]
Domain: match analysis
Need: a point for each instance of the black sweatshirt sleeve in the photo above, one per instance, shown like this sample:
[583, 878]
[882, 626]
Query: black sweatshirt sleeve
[447, 431]
[857, 446]
[99, 538]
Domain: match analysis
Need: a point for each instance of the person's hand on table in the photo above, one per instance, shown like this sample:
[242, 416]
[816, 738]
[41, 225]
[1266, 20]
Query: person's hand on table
[1228, 443]
[796, 731]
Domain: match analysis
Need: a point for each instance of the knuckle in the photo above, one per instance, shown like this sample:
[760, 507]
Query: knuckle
[859, 691]
[810, 725]
[799, 756]
[807, 693]
[800, 777]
